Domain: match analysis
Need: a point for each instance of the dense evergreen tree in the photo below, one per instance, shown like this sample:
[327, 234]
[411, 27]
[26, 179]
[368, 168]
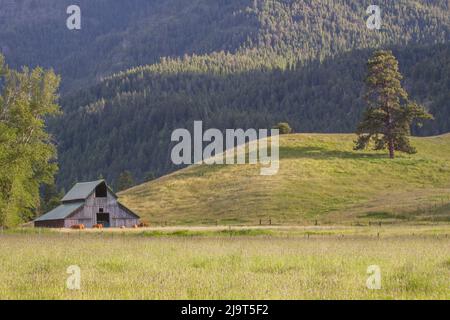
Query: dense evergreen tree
[149, 176]
[50, 198]
[390, 113]
[125, 181]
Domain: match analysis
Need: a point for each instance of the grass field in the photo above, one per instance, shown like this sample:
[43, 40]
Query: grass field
[219, 263]
[320, 178]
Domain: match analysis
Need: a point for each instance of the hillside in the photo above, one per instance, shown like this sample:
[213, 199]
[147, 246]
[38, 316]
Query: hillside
[320, 178]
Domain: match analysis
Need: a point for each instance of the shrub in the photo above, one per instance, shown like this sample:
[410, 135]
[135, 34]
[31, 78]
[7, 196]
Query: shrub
[284, 128]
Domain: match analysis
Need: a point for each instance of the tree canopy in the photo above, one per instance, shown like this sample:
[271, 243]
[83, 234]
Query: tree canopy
[27, 153]
[390, 114]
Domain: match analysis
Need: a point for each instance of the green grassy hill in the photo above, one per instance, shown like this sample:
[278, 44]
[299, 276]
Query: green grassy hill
[320, 178]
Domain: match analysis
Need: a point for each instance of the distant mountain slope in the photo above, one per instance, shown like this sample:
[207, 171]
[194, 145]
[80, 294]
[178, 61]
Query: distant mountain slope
[320, 178]
[117, 35]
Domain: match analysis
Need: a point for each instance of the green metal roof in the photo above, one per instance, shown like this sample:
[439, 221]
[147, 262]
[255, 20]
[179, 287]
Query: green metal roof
[61, 212]
[81, 191]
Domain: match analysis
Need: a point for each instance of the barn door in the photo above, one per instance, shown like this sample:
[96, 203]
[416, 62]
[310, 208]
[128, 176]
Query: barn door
[103, 219]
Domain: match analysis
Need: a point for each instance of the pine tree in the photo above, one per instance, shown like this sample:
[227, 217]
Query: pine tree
[150, 176]
[125, 181]
[390, 114]
[50, 198]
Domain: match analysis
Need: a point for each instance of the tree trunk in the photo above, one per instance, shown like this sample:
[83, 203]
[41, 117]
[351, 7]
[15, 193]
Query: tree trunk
[389, 133]
[391, 148]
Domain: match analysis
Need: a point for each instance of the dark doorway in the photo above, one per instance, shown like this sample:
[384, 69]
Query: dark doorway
[103, 219]
[101, 191]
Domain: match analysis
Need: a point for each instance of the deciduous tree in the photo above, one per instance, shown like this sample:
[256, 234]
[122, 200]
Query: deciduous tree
[27, 154]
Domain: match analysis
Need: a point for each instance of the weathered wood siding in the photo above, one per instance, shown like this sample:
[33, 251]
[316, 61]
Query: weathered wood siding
[87, 215]
[49, 224]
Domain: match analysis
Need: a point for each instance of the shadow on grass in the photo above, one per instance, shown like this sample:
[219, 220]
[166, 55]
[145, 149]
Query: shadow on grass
[432, 213]
[216, 233]
[384, 215]
[437, 212]
[322, 153]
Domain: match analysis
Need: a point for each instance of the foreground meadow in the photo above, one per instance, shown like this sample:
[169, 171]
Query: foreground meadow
[324, 264]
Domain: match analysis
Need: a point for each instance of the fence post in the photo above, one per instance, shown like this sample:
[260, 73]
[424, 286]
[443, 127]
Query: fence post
[270, 221]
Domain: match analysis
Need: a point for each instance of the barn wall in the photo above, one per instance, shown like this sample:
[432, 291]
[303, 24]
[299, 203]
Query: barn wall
[88, 214]
[49, 224]
[77, 218]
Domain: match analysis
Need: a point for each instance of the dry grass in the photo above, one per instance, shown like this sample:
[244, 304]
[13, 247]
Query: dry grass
[283, 265]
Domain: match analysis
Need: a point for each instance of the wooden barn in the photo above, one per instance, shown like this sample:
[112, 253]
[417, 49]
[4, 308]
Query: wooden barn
[89, 203]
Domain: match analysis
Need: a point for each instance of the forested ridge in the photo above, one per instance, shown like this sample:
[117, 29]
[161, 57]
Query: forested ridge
[117, 35]
[129, 127]
[241, 63]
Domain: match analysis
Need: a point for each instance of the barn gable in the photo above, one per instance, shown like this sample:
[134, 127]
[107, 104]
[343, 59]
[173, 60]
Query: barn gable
[82, 191]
